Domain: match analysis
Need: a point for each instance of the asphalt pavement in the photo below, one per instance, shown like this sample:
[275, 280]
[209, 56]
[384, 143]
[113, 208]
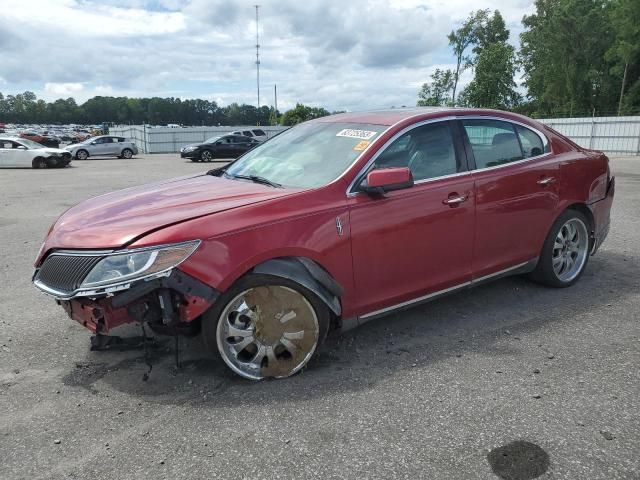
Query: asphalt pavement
[509, 378]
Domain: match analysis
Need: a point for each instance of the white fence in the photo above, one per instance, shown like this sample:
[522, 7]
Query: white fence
[613, 135]
[170, 140]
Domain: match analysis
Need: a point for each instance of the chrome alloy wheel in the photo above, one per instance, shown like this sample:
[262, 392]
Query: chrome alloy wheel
[267, 331]
[206, 156]
[570, 250]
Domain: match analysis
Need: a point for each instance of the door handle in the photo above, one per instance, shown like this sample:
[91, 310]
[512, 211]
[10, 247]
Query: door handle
[455, 200]
[546, 181]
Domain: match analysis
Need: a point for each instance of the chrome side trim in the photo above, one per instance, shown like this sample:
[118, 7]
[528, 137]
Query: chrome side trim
[429, 296]
[415, 300]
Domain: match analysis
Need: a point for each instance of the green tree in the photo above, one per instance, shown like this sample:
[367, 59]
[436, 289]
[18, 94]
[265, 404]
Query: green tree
[493, 85]
[624, 54]
[563, 56]
[460, 40]
[494, 66]
[438, 92]
[301, 113]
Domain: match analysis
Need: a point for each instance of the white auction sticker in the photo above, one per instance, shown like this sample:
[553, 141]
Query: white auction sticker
[361, 134]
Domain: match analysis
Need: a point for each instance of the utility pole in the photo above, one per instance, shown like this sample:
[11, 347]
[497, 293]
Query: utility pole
[257, 56]
[275, 95]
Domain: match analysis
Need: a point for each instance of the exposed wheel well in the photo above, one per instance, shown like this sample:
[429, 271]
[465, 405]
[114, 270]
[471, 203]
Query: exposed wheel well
[310, 275]
[582, 208]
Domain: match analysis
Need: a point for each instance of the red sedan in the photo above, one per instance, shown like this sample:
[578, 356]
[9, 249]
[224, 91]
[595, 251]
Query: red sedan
[329, 224]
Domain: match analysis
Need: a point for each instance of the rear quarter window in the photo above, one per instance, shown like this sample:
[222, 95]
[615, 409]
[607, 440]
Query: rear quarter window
[532, 144]
[493, 142]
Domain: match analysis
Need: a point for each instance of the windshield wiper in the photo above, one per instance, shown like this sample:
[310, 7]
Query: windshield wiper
[256, 179]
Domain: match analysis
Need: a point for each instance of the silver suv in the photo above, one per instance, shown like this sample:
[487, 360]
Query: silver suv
[104, 145]
[256, 134]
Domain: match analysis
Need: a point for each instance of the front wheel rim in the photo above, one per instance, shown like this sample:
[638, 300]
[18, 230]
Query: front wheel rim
[206, 156]
[127, 154]
[267, 331]
[570, 250]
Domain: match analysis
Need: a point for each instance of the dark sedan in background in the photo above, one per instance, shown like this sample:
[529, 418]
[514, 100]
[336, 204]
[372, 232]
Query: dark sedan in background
[226, 146]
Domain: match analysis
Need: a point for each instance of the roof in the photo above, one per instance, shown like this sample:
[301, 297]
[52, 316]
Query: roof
[393, 116]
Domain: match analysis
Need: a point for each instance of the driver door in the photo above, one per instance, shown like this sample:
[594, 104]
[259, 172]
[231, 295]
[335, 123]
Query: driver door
[418, 241]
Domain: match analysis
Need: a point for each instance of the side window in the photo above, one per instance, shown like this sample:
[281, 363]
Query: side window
[259, 133]
[532, 145]
[493, 142]
[428, 151]
[107, 140]
[247, 133]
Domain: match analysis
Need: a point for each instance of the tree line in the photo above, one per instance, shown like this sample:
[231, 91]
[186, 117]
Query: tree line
[27, 108]
[576, 58]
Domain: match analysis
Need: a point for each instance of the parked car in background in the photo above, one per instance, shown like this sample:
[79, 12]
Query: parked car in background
[256, 134]
[330, 224]
[41, 138]
[225, 146]
[101, 146]
[21, 152]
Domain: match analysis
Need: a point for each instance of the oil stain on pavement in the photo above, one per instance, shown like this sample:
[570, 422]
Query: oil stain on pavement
[518, 460]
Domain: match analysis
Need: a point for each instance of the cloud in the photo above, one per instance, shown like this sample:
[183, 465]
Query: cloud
[340, 55]
[63, 89]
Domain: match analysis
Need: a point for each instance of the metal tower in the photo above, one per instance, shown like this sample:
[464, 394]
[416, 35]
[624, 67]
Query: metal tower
[257, 55]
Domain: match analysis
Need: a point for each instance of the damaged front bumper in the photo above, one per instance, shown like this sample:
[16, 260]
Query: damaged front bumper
[170, 304]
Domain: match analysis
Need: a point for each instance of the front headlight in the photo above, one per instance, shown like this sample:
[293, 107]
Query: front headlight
[132, 265]
[189, 149]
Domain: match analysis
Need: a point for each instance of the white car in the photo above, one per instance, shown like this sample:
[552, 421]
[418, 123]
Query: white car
[20, 152]
[104, 145]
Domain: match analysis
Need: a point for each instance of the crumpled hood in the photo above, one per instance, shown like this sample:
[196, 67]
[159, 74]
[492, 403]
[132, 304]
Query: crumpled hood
[115, 219]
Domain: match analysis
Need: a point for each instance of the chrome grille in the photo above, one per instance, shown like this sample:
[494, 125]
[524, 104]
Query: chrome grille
[65, 273]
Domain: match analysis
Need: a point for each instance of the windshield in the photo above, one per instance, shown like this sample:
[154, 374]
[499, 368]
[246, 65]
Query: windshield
[30, 143]
[212, 139]
[307, 155]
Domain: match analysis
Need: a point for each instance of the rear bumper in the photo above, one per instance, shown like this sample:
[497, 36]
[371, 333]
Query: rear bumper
[169, 302]
[601, 211]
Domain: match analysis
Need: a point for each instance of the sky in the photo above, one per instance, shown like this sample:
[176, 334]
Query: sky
[341, 55]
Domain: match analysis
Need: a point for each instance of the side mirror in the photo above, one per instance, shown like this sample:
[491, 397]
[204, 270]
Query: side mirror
[218, 143]
[94, 143]
[384, 180]
[21, 147]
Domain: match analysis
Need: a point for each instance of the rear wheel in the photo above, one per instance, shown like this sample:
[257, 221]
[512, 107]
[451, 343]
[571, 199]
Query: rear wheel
[266, 326]
[206, 156]
[82, 154]
[127, 153]
[565, 252]
[39, 162]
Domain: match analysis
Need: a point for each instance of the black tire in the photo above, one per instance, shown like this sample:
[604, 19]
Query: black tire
[82, 155]
[39, 163]
[127, 153]
[206, 156]
[212, 317]
[544, 272]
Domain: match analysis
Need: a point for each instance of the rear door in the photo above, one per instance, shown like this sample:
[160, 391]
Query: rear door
[417, 241]
[516, 189]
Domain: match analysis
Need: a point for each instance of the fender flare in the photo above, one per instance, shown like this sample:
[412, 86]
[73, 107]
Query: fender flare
[307, 273]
